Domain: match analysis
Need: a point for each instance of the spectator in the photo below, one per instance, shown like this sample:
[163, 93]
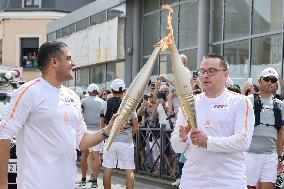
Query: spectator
[121, 152]
[264, 155]
[92, 106]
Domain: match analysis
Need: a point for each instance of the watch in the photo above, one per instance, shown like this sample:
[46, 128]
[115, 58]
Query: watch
[103, 132]
[280, 158]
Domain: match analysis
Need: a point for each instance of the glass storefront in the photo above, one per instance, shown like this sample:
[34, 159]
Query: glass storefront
[82, 79]
[266, 52]
[237, 18]
[98, 75]
[267, 16]
[252, 36]
[237, 55]
[185, 24]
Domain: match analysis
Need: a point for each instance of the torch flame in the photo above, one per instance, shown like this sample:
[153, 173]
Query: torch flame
[168, 40]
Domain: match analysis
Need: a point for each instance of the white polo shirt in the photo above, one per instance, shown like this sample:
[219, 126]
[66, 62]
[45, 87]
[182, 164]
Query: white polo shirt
[228, 121]
[49, 126]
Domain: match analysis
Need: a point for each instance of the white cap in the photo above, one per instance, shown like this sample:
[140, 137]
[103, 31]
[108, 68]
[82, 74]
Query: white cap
[269, 72]
[164, 86]
[118, 85]
[93, 87]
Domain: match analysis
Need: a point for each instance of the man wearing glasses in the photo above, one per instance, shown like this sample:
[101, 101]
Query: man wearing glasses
[265, 153]
[215, 150]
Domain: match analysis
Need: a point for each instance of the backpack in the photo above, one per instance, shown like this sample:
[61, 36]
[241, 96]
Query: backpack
[277, 112]
[112, 108]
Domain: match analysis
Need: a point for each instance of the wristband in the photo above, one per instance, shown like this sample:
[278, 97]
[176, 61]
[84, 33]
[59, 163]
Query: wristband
[104, 134]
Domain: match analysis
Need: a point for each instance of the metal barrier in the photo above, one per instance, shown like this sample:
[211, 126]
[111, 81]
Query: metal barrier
[154, 155]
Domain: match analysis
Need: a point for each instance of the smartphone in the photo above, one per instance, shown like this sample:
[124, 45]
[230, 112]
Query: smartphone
[146, 97]
[195, 74]
[249, 81]
[162, 96]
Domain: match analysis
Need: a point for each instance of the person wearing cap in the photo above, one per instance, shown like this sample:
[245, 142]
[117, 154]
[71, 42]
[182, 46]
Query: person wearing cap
[92, 106]
[121, 153]
[264, 156]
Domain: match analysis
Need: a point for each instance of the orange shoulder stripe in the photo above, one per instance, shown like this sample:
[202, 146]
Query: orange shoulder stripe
[2, 126]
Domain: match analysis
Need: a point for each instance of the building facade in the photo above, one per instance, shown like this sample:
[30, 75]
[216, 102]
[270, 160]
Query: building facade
[249, 33]
[23, 30]
[96, 37]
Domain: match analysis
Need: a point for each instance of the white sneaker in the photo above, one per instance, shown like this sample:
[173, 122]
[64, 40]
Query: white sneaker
[176, 183]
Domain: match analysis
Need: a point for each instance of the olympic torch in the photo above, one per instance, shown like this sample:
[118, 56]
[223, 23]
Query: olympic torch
[137, 88]
[183, 88]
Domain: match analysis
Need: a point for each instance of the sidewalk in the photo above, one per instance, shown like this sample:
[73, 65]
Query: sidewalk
[118, 181]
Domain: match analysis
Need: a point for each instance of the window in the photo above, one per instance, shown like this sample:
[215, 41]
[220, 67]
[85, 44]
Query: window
[267, 15]
[59, 33]
[65, 31]
[32, 3]
[216, 16]
[115, 70]
[82, 80]
[151, 5]
[266, 52]
[29, 51]
[237, 18]
[215, 49]
[51, 36]
[188, 25]
[72, 28]
[237, 55]
[98, 18]
[83, 24]
[98, 74]
[150, 33]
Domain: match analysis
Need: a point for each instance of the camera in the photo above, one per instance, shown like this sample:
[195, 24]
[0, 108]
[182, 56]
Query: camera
[195, 74]
[162, 96]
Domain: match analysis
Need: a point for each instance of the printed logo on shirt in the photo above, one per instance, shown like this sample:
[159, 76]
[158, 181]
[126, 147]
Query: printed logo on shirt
[69, 100]
[220, 106]
[207, 122]
[66, 118]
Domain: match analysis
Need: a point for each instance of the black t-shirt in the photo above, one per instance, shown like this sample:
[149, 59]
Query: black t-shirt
[112, 108]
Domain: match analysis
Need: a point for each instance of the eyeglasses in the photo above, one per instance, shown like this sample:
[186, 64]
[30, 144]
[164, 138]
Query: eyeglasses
[209, 72]
[271, 79]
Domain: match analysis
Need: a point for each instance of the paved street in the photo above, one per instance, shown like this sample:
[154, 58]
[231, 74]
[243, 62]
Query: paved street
[118, 182]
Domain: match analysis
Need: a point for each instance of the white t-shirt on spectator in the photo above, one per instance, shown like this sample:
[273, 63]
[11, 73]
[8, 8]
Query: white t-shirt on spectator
[162, 116]
[49, 126]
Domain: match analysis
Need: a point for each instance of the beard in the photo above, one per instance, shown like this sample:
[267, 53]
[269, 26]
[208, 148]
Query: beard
[266, 89]
[63, 75]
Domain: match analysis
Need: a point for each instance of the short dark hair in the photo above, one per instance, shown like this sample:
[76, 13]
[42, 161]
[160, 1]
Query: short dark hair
[223, 62]
[47, 51]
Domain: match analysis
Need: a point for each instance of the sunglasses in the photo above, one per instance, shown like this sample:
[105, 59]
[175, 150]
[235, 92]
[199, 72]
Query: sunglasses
[271, 79]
